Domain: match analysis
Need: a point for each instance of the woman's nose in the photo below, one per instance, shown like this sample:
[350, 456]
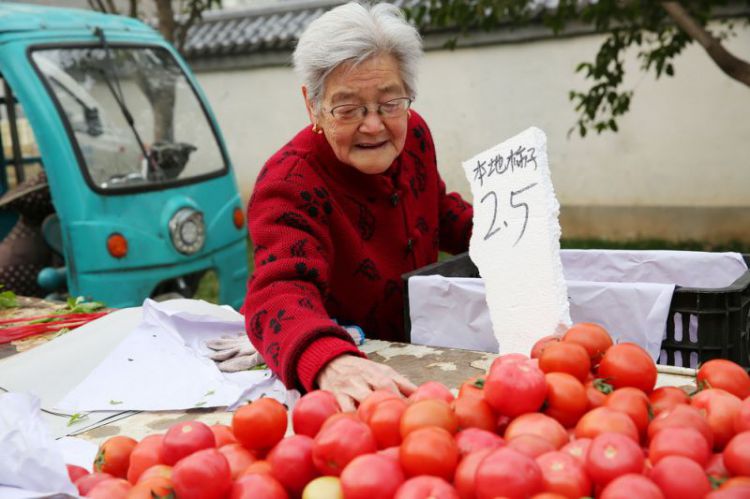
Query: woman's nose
[372, 123]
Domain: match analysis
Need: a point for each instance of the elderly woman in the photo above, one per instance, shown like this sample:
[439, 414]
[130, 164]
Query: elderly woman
[353, 201]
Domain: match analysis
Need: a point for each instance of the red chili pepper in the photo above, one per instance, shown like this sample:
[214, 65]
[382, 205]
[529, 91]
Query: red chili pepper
[69, 321]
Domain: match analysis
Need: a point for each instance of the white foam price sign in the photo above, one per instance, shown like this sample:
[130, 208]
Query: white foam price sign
[515, 243]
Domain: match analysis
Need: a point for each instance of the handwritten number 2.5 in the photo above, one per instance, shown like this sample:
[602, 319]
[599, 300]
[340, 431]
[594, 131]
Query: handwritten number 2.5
[513, 204]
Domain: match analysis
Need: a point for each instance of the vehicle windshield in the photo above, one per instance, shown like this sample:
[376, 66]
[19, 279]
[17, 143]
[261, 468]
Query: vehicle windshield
[167, 115]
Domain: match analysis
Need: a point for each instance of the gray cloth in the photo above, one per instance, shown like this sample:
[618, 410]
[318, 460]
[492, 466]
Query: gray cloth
[234, 353]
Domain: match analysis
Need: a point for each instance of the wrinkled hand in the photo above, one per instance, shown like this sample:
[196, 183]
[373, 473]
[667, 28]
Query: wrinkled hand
[234, 353]
[351, 379]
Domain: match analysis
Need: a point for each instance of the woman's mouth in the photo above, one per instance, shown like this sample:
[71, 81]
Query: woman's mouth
[371, 145]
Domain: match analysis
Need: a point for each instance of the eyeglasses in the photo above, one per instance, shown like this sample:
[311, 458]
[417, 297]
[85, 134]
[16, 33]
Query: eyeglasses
[354, 113]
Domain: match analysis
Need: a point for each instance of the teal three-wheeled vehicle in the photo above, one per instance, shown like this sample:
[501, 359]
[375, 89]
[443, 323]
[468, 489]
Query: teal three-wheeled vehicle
[112, 159]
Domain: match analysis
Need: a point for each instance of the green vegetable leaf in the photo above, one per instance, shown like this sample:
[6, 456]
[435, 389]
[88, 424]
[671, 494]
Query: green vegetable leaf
[115, 402]
[259, 367]
[8, 299]
[76, 418]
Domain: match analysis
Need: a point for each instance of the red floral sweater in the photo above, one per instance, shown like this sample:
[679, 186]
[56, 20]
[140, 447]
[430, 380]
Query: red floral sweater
[332, 242]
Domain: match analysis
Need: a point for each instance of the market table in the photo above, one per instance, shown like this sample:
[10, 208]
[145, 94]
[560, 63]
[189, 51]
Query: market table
[419, 363]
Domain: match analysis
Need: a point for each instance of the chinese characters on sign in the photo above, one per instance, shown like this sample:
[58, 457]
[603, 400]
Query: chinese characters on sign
[516, 240]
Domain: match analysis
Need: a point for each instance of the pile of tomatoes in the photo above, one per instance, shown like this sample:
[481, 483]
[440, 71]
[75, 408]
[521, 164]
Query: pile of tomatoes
[578, 418]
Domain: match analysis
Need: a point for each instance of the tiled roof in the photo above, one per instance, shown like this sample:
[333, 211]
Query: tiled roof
[258, 29]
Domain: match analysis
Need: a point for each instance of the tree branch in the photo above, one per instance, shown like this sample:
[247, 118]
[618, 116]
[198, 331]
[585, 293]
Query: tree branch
[733, 66]
[165, 16]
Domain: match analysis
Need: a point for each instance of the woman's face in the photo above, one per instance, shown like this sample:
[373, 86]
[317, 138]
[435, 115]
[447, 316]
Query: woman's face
[373, 143]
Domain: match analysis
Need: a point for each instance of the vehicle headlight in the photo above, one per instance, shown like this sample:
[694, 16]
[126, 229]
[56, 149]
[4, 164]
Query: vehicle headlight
[187, 230]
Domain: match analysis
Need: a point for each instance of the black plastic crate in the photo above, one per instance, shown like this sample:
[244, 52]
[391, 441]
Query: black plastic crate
[720, 316]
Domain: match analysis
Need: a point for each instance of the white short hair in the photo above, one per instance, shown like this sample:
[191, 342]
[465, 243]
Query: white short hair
[352, 33]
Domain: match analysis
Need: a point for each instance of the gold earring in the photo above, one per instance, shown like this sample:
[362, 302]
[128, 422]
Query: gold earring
[315, 129]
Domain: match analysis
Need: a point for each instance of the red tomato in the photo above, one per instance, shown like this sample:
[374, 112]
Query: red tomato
[739, 491]
[739, 482]
[426, 487]
[371, 477]
[578, 448]
[114, 456]
[566, 398]
[151, 488]
[611, 455]
[506, 472]
[681, 416]
[182, 439]
[466, 471]
[432, 390]
[530, 445]
[429, 412]
[261, 424]
[145, 454]
[687, 442]
[204, 474]
[514, 388]
[474, 412]
[737, 454]
[311, 411]
[429, 451]
[742, 418]
[385, 420]
[339, 442]
[715, 467]
[257, 486]
[630, 486]
[597, 391]
[720, 408]
[223, 435]
[541, 344]
[564, 474]
[538, 424]
[508, 358]
[390, 452]
[156, 471]
[259, 467]
[368, 404]
[292, 463]
[680, 477]
[627, 364]
[472, 387]
[75, 472]
[113, 488]
[238, 457]
[593, 337]
[87, 482]
[666, 397]
[604, 420]
[726, 375]
[473, 439]
[634, 403]
[566, 357]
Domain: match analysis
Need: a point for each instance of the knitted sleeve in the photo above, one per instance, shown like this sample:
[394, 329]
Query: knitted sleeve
[284, 313]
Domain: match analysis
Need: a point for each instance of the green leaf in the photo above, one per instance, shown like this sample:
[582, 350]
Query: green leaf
[76, 418]
[115, 402]
[8, 299]
[259, 367]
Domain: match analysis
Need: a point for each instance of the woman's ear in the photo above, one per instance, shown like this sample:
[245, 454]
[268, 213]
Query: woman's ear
[308, 105]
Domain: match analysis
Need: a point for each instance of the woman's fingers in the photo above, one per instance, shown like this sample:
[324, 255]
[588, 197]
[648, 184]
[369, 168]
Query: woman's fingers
[405, 386]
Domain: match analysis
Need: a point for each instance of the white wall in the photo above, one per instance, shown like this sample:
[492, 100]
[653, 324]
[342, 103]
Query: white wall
[684, 143]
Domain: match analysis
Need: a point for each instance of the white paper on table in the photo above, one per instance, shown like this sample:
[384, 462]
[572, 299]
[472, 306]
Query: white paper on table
[163, 365]
[459, 318]
[29, 458]
[451, 313]
[696, 269]
[515, 243]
